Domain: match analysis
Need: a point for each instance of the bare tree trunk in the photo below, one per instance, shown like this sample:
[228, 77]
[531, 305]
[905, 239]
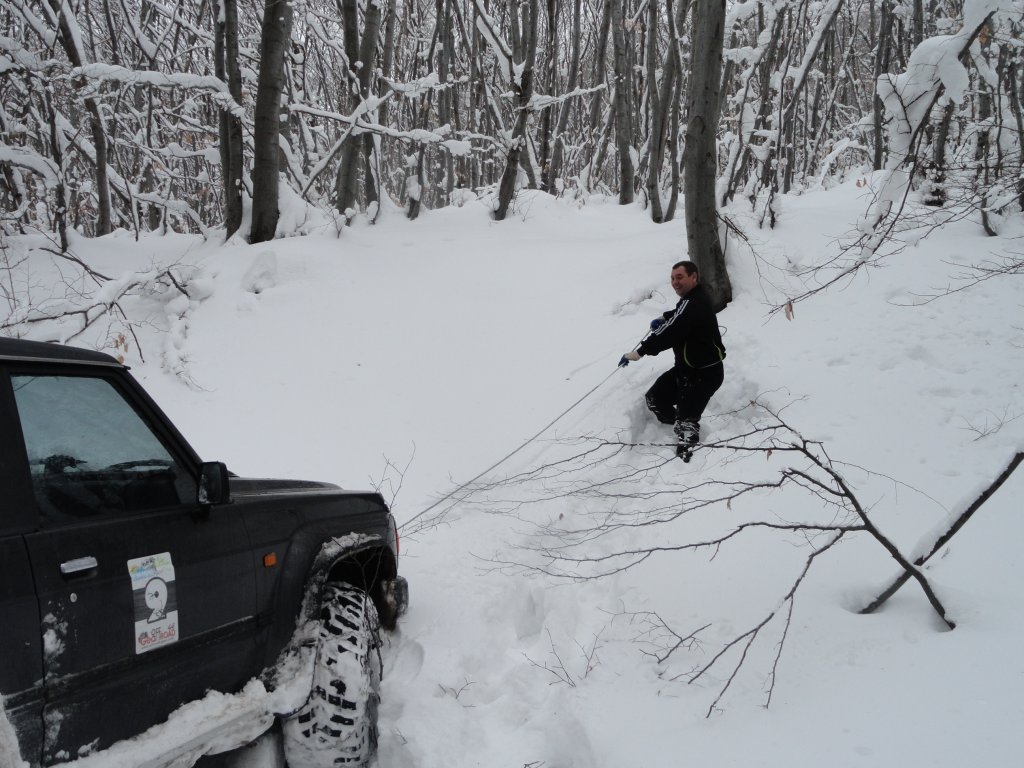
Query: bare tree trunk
[982, 150]
[444, 97]
[881, 66]
[368, 59]
[700, 161]
[414, 180]
[414, 185]
[60, 213]
[526, 46]
[663, 100]
[597, 133]
[1013, 92]
[623, 105]
[230, 125]
[599, 63]
[554, 170]
[935, 194]
[68, 37]
[658, 110]
[673, 151]
[673, 61]
[347, 179]
[387, 65]
[917, 25]
[276, 33]
[548, 116]
[388, 54]
[478, 101]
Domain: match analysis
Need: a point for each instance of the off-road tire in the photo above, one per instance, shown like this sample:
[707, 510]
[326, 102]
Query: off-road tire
[338, 723]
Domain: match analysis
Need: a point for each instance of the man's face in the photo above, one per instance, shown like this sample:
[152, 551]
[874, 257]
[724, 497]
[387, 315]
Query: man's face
[683, 283]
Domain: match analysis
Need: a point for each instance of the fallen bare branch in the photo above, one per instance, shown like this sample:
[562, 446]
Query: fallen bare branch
[942, 540]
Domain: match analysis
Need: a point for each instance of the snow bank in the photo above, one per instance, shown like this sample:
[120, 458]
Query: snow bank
[10, 755]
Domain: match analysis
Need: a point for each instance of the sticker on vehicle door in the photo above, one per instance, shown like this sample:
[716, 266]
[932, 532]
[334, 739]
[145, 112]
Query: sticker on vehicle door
[155, 599]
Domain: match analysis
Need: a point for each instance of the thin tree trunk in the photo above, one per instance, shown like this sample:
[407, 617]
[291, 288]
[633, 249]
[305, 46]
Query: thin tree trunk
[623, 106]
[60, 194]
[673, 59]
[67, 36]
[524, 90]
[275, 36]
[663, 99]
[1012, 90]
[601, 145]
[368, 58]
[656, 104]
[386, 67]
[881, 66]
[347, 179]
[554, 171]
[936, 192]
[600, 54]
[700, 161]
[596, 122]
[917, 26]
[551, 71]
[673, 150]
[444, 97]
[230, 125]
[414, 180]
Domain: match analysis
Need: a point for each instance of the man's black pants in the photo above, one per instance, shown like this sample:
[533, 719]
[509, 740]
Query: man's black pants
[682, 394]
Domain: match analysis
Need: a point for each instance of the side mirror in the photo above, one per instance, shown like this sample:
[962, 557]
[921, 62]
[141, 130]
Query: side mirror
[214, 487]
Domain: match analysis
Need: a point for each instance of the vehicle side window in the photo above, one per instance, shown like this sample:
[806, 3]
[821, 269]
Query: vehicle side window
[91, 453]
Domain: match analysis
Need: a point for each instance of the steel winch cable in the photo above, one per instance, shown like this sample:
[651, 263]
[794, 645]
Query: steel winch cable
[512, 453]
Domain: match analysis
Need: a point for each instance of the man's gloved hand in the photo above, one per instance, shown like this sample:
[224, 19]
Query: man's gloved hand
[657, 322]
[629, 357]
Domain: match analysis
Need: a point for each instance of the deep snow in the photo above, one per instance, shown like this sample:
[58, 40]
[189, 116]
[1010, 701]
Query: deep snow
[413, 355]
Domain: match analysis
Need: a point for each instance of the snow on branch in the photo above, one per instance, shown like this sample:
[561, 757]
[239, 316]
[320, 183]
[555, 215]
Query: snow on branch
[113, 73]
[822, 25]
[935, 70]
[539, 102]
[21, 59]
[44, 30]
[740, 12]
[32, 161]
[487, 27]
[416, 136]
[417, 87]
[85, 303]
[147, 46]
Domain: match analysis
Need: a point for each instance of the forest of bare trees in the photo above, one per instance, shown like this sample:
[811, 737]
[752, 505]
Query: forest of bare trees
[202, 115]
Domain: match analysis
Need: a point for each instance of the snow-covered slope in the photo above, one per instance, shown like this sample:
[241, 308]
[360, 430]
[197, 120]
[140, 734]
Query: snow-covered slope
[414, 355]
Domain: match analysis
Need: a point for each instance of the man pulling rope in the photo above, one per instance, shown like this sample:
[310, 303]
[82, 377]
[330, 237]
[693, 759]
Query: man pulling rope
[680, 395]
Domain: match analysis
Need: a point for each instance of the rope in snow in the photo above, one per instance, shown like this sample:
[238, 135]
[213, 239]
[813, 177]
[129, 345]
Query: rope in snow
[508, 456]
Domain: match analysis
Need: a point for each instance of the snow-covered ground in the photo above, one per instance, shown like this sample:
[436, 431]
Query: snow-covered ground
[412, 356]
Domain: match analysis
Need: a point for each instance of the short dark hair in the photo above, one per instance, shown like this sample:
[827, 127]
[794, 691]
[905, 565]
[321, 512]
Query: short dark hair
[689, 266]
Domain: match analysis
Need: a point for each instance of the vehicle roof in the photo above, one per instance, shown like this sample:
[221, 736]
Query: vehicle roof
[19, 349]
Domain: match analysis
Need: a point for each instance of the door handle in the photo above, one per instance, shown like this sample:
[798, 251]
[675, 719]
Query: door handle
[80, 565]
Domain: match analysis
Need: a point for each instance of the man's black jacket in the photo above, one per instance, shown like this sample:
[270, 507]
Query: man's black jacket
[691, 330]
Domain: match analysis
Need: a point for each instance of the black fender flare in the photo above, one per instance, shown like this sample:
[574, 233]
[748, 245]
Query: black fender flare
[362, 560]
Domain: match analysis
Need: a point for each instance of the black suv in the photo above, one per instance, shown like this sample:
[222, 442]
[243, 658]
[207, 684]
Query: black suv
[134, 577]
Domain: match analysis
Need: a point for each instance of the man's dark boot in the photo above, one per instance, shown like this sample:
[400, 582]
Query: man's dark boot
[688, 433]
